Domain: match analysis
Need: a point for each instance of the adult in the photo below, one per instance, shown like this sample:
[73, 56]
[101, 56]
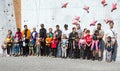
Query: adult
[113, 34]
[101, 42]
[79, 30]
[26, 33]
[10, 49]
[58, 33]
[43, 35]
[34, 35]
[66, 30]
[72, 37]
[19, 33]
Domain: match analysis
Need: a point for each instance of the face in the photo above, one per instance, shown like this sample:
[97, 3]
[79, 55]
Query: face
[25, 27]
[42, 26]
[50, 29]
[78, 26]
[108, 39]
[99, 27]
[74, 29]
[111, 25]
[57, 28]
[9, 32]
[34, 29]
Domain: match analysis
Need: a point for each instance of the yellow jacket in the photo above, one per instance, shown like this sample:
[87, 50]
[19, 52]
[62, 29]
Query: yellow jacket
[28, 34]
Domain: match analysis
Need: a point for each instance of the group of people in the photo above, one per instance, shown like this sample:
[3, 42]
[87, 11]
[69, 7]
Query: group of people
[66, 44]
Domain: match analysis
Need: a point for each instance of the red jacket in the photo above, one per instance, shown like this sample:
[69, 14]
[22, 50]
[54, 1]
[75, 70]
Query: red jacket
[88, 38]
[54, 43]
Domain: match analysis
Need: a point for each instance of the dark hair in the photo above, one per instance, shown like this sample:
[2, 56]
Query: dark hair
[111, 22]
[25, 26]
[65, 26]
[57, 26]
[96, 31]
[10, 31]
[73, 28]
[99, 24]
[18, 29]
[42, 25]
[88, 31]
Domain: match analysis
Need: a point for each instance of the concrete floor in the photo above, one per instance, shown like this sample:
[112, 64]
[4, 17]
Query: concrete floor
[54, 64]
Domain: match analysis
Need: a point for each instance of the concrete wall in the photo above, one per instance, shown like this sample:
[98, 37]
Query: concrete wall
[7, 19]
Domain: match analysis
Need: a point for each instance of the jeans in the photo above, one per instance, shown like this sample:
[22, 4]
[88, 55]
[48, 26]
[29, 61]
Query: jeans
[59, 50]
[16, 48]
[38, 51]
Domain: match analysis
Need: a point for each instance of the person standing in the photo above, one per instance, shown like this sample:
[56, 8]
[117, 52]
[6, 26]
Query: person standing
[34, 36]
[79, 30]
[26, 33]
[72, 37]
[58, 33]
[19, 33]
[101, 42]
[113, 34]
[43, 35]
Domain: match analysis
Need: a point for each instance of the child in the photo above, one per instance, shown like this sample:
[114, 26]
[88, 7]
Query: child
[54, 43]
[16, 45]
[109, 49]
[88, 40]
[64, 46]
[4, 47]
[31, 44]
[48, 43]
[9, 45]
[38, 44]
[95, 41]
[24, 46]
[82, 46]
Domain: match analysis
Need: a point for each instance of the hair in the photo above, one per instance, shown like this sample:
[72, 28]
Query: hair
[42, 25]
[111, 22]
[88, 31]
[25, 26]
[18, 29]
[65, 26]
[73, 28]
[99, 24]
[10, 31]
[57, 26]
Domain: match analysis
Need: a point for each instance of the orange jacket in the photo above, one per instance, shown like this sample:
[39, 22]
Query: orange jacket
[28, 34]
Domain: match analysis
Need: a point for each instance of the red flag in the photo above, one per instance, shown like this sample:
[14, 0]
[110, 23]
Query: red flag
[65, 5]
[93, 23]
[77, 18]
[114, 7]
[86, 8]
[103, 2]
[75, 22]
[107, 20]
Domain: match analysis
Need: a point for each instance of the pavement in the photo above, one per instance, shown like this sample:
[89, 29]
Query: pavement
[34, 63]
